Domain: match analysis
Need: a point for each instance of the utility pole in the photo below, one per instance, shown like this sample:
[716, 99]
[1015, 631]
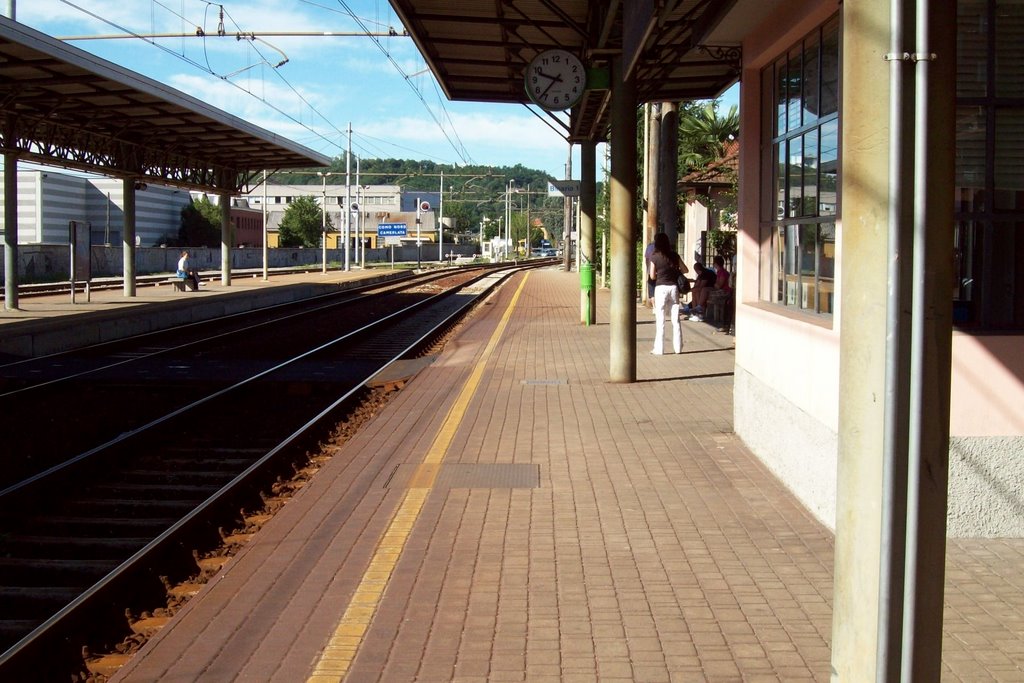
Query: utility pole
[440, 223]
[567, 219]
[348, 202]
[323, 222]
[360, 245]
[263, 206]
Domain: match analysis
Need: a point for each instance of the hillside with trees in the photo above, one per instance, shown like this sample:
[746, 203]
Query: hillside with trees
[471, 192]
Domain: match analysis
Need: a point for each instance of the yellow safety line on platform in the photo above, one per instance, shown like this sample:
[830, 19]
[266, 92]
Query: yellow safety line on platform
[344, 643]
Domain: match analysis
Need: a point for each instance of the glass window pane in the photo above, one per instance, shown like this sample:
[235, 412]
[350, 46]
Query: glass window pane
[1009, 159]
[794, 90]
[808, 253]
[781, 97]
[789, 266]
[829, 162]
[810, 79]
[810, 166]
[794, 174]
[829, 68]
[964, 250]
[1005, 292]
[780, 180]
[826, 268]
[779, 244]
[971, 48]
[1009, 48]
[970, 158]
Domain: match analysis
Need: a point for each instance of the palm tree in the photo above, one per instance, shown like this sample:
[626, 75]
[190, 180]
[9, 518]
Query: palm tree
[704, 134]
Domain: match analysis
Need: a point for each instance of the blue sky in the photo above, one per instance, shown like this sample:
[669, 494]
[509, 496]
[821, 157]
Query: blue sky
[382, 87]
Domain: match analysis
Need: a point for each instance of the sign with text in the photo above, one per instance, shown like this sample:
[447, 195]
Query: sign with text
[392, 230]
[563, 188]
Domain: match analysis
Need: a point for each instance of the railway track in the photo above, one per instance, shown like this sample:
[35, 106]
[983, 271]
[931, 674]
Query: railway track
[91, 533]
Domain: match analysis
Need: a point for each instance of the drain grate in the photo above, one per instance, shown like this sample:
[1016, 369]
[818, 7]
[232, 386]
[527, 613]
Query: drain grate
[465, 476]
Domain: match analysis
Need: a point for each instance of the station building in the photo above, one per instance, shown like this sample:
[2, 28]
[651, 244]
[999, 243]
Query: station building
[800, 115]
[48, 200]
[370, 205]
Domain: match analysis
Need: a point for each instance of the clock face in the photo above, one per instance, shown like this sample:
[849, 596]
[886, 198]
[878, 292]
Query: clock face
[555, 79]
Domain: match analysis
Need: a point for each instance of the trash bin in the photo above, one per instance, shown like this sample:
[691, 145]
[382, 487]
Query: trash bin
[587, 277]
[587, 289]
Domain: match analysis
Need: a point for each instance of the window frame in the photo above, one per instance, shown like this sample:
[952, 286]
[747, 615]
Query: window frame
[980, 303]
[780, 216]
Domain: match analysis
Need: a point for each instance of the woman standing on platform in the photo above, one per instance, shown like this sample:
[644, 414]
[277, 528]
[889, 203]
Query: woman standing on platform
[665, 269]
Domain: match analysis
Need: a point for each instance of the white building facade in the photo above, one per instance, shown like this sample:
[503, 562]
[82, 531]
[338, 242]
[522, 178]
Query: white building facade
[48, 200]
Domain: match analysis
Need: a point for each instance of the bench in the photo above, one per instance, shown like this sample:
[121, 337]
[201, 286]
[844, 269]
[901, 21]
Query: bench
[719, 308]
[179, 283]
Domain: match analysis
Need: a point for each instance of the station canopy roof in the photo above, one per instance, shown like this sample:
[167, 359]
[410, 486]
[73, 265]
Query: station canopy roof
[676, 49]
[61, 106]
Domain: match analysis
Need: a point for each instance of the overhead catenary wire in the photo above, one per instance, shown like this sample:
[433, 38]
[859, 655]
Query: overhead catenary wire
[212, 72]
[445, 123]
[459, 148]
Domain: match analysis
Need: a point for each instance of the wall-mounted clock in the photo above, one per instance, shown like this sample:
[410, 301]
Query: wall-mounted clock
[555, 79]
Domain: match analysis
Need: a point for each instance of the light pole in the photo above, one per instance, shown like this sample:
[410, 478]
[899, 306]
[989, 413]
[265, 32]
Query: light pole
[348, 196]
[528, 249]
[508, 214]
[263, 207]
[440, 223]
[323, 218]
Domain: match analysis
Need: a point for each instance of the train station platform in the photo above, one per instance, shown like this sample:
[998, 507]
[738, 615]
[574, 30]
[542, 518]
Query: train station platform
[55, 322]
[510, 515]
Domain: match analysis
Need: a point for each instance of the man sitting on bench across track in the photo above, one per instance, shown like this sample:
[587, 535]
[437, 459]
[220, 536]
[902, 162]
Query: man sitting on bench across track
[187, 273]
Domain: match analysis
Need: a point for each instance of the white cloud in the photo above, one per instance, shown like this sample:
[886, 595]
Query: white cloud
[341, 78]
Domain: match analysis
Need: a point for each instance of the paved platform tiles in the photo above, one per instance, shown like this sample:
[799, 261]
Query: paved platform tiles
[611, 532]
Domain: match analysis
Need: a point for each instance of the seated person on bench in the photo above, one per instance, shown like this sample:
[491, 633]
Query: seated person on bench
[703, 283]
[187, 273]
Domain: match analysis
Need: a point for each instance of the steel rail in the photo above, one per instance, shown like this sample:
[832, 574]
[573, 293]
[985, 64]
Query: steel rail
[54, 634]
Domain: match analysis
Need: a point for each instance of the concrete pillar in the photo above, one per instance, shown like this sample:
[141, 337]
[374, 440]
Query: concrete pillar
[668, 174]
[128, 236]
[588, 221]
[622, 192]
[865, 159]
[10, 232]
[652, 165]
[861, 549]
[225, 239]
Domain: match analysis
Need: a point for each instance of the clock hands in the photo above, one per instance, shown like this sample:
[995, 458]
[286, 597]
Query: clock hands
[566, 79]
[554, 79]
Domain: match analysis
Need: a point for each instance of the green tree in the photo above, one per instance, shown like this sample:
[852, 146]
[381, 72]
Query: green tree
[302, 224]
[200, 224]
[704, 134]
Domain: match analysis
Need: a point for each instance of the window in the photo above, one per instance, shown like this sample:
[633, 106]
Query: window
[989, 199]
[800, 92]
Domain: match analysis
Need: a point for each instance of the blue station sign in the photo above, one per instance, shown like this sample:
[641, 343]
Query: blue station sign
[392, 230]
